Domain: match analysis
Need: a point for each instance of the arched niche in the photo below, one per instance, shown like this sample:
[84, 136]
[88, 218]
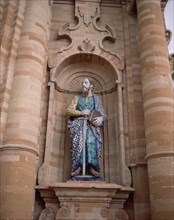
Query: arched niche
[65, 82]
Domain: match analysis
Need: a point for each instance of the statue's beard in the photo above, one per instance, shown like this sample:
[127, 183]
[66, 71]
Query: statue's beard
[85, 91]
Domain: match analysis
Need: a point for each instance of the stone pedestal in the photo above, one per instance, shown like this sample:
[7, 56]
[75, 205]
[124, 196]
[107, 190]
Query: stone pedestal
[84, 200]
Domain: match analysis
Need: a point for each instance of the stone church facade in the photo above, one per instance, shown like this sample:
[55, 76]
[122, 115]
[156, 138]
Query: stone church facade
[47, 48]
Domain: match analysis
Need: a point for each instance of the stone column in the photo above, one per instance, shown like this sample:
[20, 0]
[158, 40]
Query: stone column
[20, 147]
[158, 108]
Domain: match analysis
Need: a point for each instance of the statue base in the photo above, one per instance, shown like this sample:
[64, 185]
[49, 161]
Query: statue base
[85, 178]
[79, 200]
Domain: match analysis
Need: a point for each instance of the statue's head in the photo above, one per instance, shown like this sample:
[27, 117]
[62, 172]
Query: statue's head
[87, 86]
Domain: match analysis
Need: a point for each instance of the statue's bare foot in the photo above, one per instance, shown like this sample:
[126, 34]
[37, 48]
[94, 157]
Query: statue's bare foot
[76, 172]
[94, 173]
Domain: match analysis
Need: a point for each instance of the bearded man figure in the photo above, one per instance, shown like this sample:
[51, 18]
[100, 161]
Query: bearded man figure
[86, 119]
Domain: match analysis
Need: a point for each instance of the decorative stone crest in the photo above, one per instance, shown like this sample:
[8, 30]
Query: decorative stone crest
[87, 14]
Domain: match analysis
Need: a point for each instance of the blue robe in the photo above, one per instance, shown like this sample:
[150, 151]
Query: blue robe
[93, 135]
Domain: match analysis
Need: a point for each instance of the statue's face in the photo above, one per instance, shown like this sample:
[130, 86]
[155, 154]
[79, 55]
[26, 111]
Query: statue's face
[86, 85]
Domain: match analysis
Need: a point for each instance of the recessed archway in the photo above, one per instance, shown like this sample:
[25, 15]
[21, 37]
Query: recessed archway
[65, 82]
[68, 74]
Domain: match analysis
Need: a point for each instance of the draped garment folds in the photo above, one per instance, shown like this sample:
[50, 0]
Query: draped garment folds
[93, 134]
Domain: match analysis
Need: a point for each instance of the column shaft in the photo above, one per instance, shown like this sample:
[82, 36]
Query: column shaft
[20, 147]
[158, 108]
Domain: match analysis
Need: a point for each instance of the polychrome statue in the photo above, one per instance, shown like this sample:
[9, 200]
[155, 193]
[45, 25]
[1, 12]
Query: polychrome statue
[86, 119]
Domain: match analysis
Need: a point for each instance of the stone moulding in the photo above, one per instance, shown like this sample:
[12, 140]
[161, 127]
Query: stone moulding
[109, 34]
[138, 164]
[62, 34]
[159, 154]
[59, 64]
[56, 61]
[19, 147]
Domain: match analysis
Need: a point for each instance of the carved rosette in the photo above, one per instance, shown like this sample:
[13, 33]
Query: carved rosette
[104, 213]
[67, 211]
[121, 215]
[63, 213]
[47, 214]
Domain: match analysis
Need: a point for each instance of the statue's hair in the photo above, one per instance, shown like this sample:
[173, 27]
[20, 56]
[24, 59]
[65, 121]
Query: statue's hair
[91, 82]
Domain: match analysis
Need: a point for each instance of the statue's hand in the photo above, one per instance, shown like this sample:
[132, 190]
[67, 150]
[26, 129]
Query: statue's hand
[98, 121]
[86, 112]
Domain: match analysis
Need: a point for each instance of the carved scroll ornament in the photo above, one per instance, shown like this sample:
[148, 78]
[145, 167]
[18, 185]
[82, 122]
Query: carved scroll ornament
[47, 214]
[87, 15]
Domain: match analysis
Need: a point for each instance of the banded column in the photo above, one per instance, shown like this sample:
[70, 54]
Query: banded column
[158, 108]
[20, 147]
